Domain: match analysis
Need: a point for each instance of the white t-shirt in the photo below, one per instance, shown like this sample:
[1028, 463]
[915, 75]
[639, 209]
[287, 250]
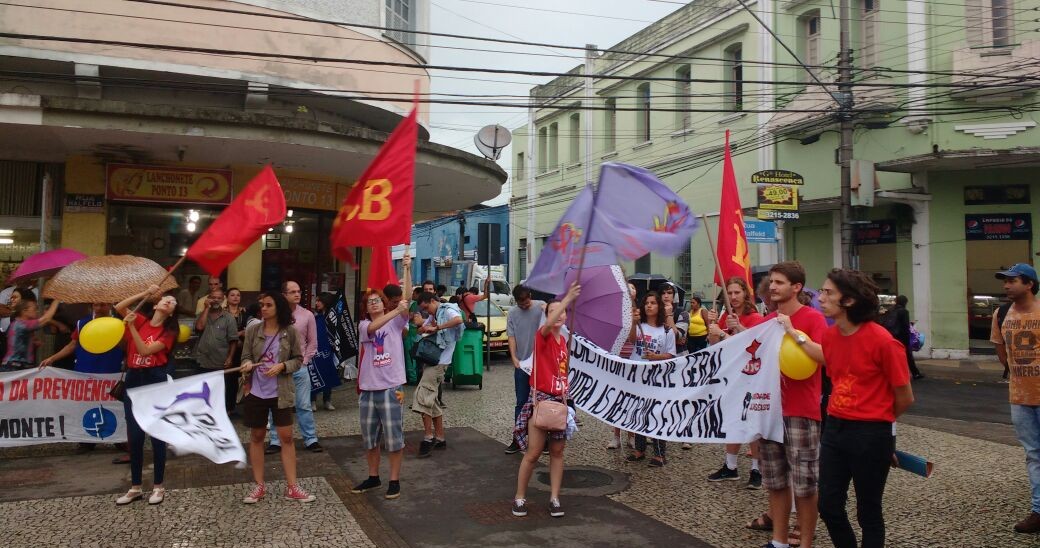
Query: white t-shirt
[653, 340]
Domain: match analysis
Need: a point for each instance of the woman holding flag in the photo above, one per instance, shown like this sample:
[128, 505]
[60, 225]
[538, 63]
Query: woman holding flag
[269, 358]
[150, 336]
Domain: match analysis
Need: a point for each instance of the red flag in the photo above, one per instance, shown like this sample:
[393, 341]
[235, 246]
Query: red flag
[378, 210]
[381, 269]
[733, 248]
[260, 205]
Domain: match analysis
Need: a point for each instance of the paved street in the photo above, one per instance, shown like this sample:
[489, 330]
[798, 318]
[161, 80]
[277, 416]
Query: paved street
[460, 496]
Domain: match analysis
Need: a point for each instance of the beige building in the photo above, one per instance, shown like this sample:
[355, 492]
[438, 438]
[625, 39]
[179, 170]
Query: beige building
[146, 119]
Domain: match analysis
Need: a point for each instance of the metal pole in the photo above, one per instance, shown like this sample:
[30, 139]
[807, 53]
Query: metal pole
[45, 212]
[845, 148]
[532, 172]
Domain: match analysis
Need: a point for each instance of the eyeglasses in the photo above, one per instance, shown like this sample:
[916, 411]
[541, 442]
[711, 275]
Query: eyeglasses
[375, 301]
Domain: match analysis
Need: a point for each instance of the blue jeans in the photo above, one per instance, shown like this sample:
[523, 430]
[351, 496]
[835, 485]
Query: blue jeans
[522, 384]
[1026, 419]
[134, 434]
[304, 413]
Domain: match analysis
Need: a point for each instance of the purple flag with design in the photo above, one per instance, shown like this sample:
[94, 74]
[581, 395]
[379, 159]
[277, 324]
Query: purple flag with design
[562, 249]
[635, 214]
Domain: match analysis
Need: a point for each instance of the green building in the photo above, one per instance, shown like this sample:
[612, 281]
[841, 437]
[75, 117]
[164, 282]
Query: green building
[946, 154]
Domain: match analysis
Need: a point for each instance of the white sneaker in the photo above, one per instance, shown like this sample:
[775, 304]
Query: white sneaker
[614, 443]
[133, 494]
[329, 407]
[158, 494]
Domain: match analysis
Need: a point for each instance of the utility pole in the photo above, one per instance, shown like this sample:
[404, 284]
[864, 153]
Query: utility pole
[846, 102]
[461, 218]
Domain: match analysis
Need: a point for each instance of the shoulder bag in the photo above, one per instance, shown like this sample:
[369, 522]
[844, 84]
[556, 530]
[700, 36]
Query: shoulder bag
[427, 351]
[548, 415]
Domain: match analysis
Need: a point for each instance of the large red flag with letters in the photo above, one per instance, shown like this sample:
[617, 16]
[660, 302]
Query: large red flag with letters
[378, 210]
[260, 205]
[381, 269]
[733, 247]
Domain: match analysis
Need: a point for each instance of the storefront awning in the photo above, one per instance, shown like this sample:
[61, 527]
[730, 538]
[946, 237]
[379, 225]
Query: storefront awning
[960, 160]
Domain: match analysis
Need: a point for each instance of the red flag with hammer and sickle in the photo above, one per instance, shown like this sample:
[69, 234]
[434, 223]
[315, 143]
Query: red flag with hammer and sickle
[260, 205]
[733, 248]
[378, 210]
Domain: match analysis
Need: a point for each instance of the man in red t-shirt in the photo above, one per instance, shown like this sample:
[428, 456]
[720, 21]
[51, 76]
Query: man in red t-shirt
[798, 456]
[868, 370]
[470, 299]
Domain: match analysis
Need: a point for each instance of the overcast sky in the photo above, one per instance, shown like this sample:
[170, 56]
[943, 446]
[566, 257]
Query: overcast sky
[606, 23]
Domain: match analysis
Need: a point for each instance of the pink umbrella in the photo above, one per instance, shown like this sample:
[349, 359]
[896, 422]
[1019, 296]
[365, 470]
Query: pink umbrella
[603, 311]
[44, 264]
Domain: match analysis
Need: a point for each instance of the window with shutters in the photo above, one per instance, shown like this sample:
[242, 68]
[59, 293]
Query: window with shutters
[734, 84]
[643, 112]
[521, 260]
[682, 98]
[610, 125]
[811, 41]
[520, 167]
[573, 137]
[543, 150]
[869, 34]
[400, 16]
[554, 146]
[989, 23]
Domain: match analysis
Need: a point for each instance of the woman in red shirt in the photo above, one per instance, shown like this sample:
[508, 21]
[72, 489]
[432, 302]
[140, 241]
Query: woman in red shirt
[549, 371]
[745, 316]
[150, 336]
[871, 388]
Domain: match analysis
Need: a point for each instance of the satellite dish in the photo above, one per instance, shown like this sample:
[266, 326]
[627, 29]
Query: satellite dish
[490, 141]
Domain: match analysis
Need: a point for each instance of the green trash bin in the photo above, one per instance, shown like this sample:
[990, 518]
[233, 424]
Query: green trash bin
[467, 365]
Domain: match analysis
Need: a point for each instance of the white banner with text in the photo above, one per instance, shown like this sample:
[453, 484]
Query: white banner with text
[726, 393]
[53, 405]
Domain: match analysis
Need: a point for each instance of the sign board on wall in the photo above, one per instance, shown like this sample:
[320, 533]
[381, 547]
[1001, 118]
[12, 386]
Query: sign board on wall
[777, 192]
[875, 232]
[760, 232]
[776, 177]
[176, 185]
[84, 203]
[1003, 194]
[1007, 226]
[309, 194]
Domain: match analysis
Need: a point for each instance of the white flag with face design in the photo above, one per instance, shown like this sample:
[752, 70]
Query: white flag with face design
[189, 414]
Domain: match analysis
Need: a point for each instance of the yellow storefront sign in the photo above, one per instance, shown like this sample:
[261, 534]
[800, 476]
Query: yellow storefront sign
[309, 194]
[138, 183]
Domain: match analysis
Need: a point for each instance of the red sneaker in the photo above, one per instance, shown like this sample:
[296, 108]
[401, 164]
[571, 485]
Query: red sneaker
[256, 495]
[295, 492]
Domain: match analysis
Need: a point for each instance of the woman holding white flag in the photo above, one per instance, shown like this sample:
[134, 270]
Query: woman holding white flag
[270, 355]
[150, 337]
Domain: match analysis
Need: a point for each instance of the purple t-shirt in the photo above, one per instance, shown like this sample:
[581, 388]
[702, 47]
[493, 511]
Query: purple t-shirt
[19, 341]
[265, 387]
[382, 355]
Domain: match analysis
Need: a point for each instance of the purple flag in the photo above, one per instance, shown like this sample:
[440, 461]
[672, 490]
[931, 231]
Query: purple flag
[562, 249]
[635, 214]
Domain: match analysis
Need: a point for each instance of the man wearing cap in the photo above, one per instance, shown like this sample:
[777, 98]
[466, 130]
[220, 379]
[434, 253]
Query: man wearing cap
[1016, 335]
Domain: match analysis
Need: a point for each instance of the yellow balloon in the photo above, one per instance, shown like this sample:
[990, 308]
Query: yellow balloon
[101, 335]
[183, 334]
[794, 362]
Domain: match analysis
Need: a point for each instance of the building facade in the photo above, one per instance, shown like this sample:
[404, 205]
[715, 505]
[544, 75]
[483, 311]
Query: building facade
[147, 119]
[945, 145]
[441, 244]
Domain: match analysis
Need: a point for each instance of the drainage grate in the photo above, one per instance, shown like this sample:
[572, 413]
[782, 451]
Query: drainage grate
[579, 479]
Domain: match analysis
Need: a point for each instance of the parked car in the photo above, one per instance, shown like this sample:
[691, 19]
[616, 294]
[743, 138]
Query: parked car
[497, 330]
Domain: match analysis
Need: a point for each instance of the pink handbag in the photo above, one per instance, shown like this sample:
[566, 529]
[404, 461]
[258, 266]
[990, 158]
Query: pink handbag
[547, 415]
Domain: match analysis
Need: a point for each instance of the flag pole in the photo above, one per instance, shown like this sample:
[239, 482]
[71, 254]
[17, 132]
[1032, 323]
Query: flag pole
[581, 266]
[718, 269]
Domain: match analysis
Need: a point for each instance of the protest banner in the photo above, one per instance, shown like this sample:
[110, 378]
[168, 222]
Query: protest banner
[54, 405]
[727, 393]
[189, 414]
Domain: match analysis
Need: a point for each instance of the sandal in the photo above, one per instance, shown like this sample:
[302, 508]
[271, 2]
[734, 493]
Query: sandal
[133, 494]
[635, 458]
[657, 462]
[794, 539]
[761, 523]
